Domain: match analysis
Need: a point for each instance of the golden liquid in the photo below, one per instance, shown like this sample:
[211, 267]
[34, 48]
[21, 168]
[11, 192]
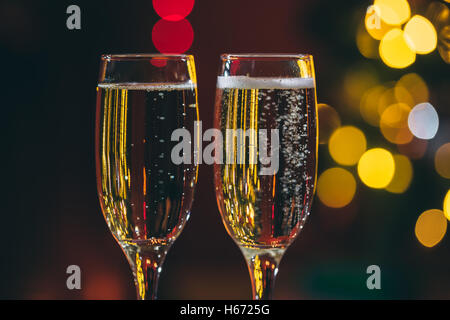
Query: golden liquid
[143, 195]
[266, 210]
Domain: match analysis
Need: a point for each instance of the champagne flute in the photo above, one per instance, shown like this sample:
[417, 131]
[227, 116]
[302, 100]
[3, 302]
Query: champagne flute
[265, 170]
[145, 196]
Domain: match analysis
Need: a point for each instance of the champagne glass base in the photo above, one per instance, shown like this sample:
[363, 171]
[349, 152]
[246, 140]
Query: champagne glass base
[263, 268]
[146, 260]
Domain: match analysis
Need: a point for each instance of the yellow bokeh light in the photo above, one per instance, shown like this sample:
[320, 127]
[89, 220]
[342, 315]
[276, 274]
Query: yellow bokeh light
[346, 145]
[447, 205]
[329, 121]
[376, 168]
[416, 88]
[402, 176]
[367, 46]
[369, 105]
[420, 35]
[357, 80]
[410, 90]
[336, 187]
[442, 161]
[386, 99]
[393, 12]
[431, 227]
[374, 25]
[394, 51]
[394, 124]
[403, 95]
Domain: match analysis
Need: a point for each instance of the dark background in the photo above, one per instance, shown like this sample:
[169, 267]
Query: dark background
[50, 215]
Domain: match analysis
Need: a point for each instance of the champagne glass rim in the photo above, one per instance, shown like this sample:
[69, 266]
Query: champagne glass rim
[265, 56]
[143, 56]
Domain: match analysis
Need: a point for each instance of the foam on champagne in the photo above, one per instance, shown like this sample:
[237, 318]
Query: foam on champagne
[243, 82]
[188, 85]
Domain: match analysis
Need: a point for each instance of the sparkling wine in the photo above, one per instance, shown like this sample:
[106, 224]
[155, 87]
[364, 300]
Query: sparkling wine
[262, 211]
[145, 197]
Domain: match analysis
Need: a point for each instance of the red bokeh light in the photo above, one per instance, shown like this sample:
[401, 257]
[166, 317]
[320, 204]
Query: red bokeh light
[103, 285]
[173, 10]
[172, 36]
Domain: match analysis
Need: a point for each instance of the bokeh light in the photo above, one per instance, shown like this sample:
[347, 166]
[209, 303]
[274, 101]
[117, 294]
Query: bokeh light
[447, 205]
[403, 95]
[415, 87]
[431, 227]
[103, 285]
[420, 34]
[336, 187]
[423, 121]
[439, 14]
[173, 10]
[376, 168]
[172, 36]
[394, 51]
[403, 175]
[415, 149]
[442, 161]
[444, 44]
[346, 145]
[374, 25]
[329, 121]
[393, 12]
[366, 44]
[394, 123]
[369, 105]
[387, 98]
[358, 80]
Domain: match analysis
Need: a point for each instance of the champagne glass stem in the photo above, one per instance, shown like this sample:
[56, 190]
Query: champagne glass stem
[146, 261]
[263, 267]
